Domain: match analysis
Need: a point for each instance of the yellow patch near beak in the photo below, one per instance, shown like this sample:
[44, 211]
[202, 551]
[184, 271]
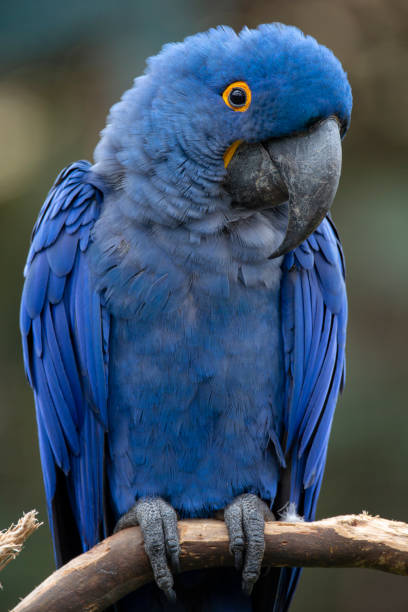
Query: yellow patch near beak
[229, 153]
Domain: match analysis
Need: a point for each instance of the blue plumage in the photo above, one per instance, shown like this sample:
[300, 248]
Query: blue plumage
[68, 367]
[168, 354]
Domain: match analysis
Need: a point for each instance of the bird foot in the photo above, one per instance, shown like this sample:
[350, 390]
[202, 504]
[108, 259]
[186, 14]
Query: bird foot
[158, 522]
[245, 519]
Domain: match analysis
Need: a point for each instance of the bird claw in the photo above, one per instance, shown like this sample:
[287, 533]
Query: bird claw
[158, 522]
[245, 519]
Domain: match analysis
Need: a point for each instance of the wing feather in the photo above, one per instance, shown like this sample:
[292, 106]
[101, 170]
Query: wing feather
[65, 331]
[314, 318]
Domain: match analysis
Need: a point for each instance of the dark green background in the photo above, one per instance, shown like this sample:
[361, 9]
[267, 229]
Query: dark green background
[62, 66]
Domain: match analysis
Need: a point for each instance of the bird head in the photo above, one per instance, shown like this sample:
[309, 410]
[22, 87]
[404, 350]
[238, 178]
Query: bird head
[225, 121]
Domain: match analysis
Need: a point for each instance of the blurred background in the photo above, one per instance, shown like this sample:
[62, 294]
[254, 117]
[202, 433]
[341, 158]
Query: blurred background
[62, 66]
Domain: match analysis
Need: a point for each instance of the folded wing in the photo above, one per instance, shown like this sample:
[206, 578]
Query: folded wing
[65, 331]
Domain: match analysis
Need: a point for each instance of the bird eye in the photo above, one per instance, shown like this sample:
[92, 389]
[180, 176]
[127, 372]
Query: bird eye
[237, 96]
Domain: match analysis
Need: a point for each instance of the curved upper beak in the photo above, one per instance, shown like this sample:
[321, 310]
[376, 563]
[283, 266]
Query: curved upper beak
[303, 169]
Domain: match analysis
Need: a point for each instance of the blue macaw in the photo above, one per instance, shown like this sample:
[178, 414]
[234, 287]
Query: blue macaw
[184, 310]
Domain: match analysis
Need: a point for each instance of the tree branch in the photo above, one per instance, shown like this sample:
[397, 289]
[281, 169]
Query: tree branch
[119, 565]
[13, 538]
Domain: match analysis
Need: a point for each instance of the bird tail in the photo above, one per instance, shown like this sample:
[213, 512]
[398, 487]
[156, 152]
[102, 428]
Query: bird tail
[213, 590]
[275, 589]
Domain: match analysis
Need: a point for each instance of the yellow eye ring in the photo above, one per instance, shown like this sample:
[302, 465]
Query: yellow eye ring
[237, 96]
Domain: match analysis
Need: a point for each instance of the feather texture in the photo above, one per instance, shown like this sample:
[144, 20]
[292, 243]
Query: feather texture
[65, 341]
[314, 319]
[168, 353]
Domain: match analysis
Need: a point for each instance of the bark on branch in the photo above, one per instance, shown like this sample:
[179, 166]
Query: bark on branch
[118, 565]
[13, 538]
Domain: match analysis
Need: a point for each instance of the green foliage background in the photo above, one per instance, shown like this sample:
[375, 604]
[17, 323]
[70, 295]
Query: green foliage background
[62, 66]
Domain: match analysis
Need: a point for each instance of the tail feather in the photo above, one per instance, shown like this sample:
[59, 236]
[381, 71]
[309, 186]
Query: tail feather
[214, 590]
[275, 589]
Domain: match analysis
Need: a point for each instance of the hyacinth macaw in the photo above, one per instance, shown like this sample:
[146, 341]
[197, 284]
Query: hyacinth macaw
[184, 310]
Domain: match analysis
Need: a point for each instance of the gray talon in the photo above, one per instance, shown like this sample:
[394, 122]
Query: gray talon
[233, 520]
[158, 522]
[245, 519]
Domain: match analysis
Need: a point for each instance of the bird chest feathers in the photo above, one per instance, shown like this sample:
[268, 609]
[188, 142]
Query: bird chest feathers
[199, 382]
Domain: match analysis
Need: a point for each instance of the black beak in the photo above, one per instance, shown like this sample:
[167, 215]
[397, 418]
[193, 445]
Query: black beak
[303, 169]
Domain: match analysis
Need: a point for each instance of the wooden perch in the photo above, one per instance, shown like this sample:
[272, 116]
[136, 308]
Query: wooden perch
[119, 565]
[13, 538]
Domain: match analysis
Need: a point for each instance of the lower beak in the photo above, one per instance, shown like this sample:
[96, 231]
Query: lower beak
[303, 169]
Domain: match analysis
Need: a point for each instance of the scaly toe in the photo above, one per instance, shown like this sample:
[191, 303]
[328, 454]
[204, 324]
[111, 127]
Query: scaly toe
[158, 522]
[233, 520]
[245, 520]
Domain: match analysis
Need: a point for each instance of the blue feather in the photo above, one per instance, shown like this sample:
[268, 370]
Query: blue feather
[323, 324]
[66, 350]
[169, 355]
[47, 461]
[56, 288]
[37, 336]
[35, 287]
[61, 254]
[62, 383]
[68, 364]
[48, 415]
